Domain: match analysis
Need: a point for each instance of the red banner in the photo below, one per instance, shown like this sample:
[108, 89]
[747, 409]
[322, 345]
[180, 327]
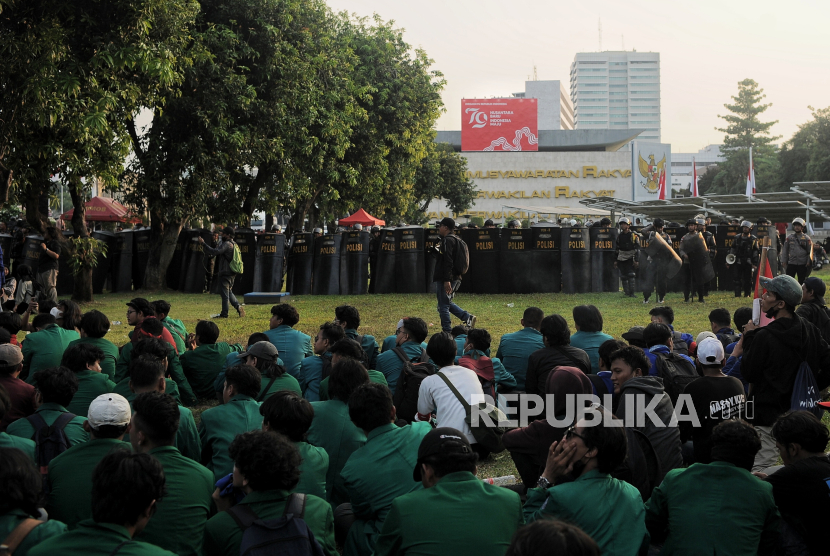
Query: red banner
[499, 124]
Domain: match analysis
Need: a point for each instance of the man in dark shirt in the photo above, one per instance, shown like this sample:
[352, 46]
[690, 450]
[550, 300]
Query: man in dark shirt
[813, 308]
[47, 264]
[224, 255]
[446, 277]
[802, 487]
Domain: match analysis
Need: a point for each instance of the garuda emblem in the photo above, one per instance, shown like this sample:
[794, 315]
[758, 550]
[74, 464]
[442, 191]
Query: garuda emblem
[651, 171]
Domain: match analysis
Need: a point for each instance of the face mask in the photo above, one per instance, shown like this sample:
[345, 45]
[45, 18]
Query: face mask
[772, 312]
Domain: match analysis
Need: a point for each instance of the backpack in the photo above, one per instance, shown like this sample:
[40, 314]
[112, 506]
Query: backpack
[17, 536]
[288, 535]
[50, 442]
[676, 373]
[460, 257]
[680, 345]
[326, 367]
[236, 265]
[489, 437]
[602, 383]
[483, 367]
[409, 383]
[727, 339]
[806, 395]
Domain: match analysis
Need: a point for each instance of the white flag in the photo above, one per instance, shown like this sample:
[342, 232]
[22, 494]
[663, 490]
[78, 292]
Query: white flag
[750, 177]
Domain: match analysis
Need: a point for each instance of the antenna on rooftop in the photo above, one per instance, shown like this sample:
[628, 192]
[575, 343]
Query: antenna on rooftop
[600, 34]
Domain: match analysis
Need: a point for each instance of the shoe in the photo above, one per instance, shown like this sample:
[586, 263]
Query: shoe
[241, 311]
[661, 299]
[471, 321]
[219, 316]
[646, 301]
[687, 301]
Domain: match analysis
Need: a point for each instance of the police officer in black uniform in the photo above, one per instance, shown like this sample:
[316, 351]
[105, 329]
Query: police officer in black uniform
[657, 263]
[628, 244]
[747, 255]
[689, 285]
[709, 239]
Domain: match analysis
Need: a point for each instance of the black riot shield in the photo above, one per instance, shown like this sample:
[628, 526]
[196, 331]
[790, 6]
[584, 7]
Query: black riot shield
[466, 285]
[604, 277]
[174, 276]
[65, 282]
[725, 240]
[576, 260]
[270, 254]
[101, 272]
[327, 265]
[546, 259]
[122, 274]
[642, 257]
[676, 282]
[354, 263]
[483, 245]
[669, 259]
[194, 261]
[6, 245]
[245, 238]
[31, 252]
[431, 240]
[699, 262]
[409, 259]
[141, 254]
[385, 275]
[762, 231]
[516, 263]
[300, 264]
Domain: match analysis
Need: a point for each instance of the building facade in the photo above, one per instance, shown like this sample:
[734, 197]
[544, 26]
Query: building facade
[617, 90]
[555, 108]
[681, 166]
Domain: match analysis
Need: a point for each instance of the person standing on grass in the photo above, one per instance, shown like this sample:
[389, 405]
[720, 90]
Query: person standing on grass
[447, 278]
[224, 255]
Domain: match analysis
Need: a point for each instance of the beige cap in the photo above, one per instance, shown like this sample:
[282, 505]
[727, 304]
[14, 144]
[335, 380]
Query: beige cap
[10, 355]
[109, 409]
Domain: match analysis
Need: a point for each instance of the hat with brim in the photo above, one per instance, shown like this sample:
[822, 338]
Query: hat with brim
[263, 350]
[440, 441]
[785, 286]
[634, 333]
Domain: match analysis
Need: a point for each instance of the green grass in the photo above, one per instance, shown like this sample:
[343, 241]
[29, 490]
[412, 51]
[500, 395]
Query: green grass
[380, 313]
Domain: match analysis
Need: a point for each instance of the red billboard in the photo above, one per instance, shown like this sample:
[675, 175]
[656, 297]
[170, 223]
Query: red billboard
[499, 124]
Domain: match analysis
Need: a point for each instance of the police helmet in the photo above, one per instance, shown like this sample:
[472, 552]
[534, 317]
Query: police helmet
[746, 224]
[690, 222]
[276, 228]
[697, 216]
[375, 229]
[659, 223]
[515, 224]
[317, 230]
[625, 220]
[798, 221]
[357, 227]
[700, 221]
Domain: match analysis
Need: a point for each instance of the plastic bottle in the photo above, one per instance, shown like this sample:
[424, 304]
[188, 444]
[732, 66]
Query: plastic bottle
[501, 481]
[511, 304]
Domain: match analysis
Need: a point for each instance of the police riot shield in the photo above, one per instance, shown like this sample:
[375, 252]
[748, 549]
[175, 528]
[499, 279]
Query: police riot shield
[466, 285]
[245, 238]
[676, 233]
[604, 277]
[327, 265]
[174, 276]
[546, 259]
[354, 263]
[385, 275]
[141, 254]
[725, 240]
[122, 275]
[270, 256]
[65, 282]
[431, 240]
[483, 244]
[409, 259]
[102, 271]
[659, 249]
[644, 281]
[767, 230]
[31, 252]
[576, 260]
[700, 263]
[300, 264]
[194, 262]
[6, 245]
[516, 264]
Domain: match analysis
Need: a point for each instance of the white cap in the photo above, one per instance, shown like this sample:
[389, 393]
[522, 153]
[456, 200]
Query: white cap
[703, 335]
[400, 324]
[710, 351]
[109, 409]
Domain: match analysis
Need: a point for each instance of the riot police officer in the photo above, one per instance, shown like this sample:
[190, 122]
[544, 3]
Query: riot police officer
[690, 287]
[657, 264]
[514, 224]
[625, 260]
[797, 254]
[747, 255]
[709, 239]
[318, 232]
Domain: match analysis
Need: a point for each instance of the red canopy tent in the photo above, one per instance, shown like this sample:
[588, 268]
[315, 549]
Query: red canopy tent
[104, 209]
[361, 217]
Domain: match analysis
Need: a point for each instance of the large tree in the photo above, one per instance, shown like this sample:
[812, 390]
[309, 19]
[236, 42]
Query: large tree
[442, 174]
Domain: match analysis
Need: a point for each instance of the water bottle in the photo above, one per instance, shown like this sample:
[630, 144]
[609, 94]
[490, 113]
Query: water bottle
[511, 304]
[501, 481]
[116, 322]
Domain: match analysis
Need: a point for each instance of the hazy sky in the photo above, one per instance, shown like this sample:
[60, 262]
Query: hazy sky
[486, 48]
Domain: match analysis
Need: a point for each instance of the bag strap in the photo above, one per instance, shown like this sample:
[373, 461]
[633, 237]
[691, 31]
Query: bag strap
[37, 421]
[401, 354]
[576, 361]
[424, 356]
[458, 395]
[243, 515]
[19, 534]
[61, 422]
[599, 384]
[295, 505]
[119, 547]
[265, 392]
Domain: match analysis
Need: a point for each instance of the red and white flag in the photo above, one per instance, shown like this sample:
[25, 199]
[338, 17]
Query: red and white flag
[750, 177]
[695, 192]
[662, 185]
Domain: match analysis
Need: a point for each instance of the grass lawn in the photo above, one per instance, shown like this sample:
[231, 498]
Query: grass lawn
[380, 314]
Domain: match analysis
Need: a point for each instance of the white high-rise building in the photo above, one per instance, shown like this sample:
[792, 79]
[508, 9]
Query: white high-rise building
[617, 90]
[554, 106]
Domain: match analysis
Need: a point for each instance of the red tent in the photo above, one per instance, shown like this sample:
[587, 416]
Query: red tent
[361, 217]
[104, 209]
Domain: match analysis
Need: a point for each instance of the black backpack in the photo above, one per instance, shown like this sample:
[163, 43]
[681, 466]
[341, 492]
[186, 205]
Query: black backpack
[676, 373]
[412, 374]
[460, 256]
[680, 345]
[727, 339]
[288, 535]
[50, 442]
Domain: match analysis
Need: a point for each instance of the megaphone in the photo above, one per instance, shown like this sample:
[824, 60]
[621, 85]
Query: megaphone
[731, 258]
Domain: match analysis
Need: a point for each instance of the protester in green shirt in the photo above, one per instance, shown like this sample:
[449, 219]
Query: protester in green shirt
[56, 387]
[348, 317]
[174, 326]
[165, 353]
[411, 332]
[20, 495]
[44, 348]
[147, 375]
[291, 415]
[348, 347]
[477, 345]
[332, 429]
[314, 369]
[240, 413]
[610, 511]
[232, 360]
[455, 512]
[70, 473]
[266, 467]
[179, 522]
[263, 357]
[126, 489]
[6, 441]
[292, 345]
[380, 471]
[85, 361]
[204, 358]
[515, 348]
[94, 326]
[589, 335]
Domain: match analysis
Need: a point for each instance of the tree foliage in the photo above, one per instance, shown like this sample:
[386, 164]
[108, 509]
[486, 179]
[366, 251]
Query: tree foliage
[442, 174]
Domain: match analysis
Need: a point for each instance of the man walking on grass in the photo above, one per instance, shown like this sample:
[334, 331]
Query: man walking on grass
[448, 277]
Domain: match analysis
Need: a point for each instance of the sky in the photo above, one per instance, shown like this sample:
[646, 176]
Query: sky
[486, 48]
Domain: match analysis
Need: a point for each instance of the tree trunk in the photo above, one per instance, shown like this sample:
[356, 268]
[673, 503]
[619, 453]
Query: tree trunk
[269, 222]
[251, 196]
[165, 236]
[5, 184]
[82, 289]
[31, 195]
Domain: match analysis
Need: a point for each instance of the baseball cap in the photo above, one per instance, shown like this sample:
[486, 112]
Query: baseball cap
[228, 231]
[703, 335]
[448, 222]
[10, 355]
[261, 350]
[785, 286]
[816, 285]
[443, 440]
[400, 324]
[710, 351]
[634, 333]
[109, 409]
